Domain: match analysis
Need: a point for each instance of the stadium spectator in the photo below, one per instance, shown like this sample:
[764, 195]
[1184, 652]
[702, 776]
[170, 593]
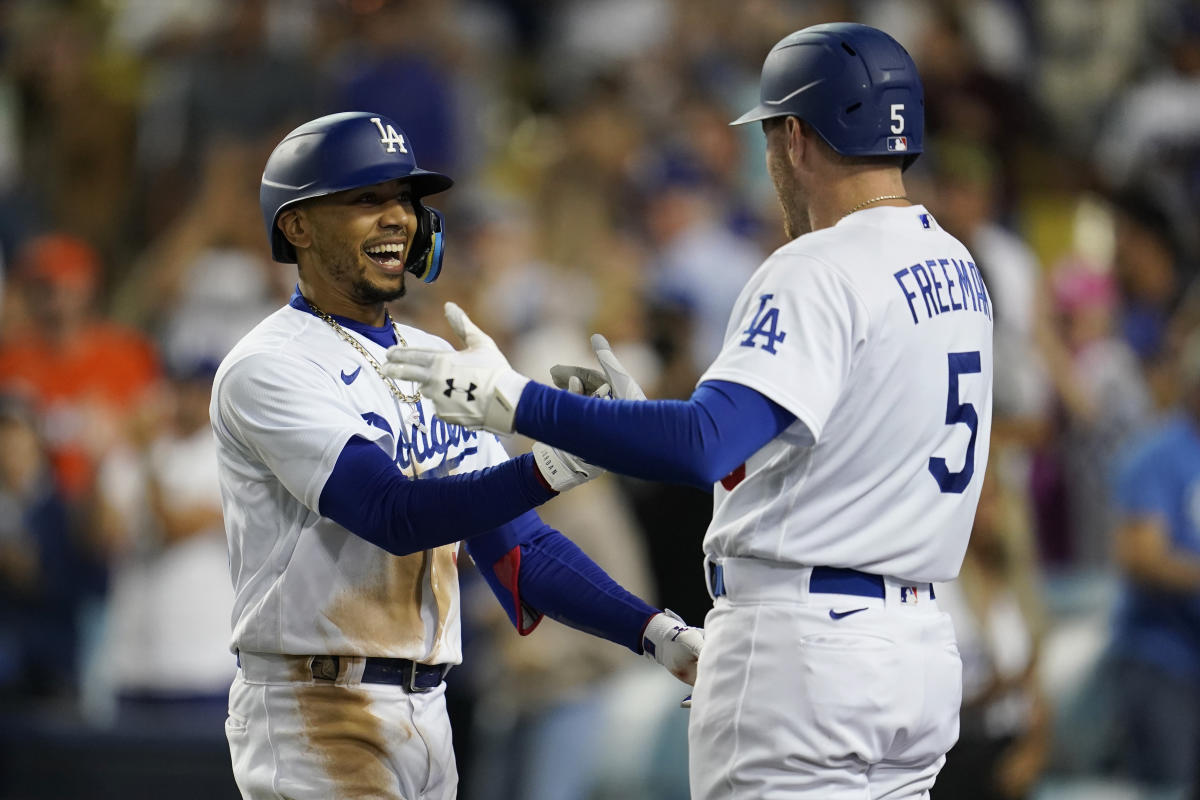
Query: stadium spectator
[38, 578]
[999, 618]
[1105, 400]
[1156, 644]
[83, 374]
[169, 610]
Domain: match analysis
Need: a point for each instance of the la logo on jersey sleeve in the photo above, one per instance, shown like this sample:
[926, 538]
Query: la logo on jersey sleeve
[765, 324]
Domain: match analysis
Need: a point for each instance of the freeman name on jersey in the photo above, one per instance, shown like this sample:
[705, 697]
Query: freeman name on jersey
[944, 285]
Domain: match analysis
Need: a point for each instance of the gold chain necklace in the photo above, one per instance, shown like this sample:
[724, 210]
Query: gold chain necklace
[391, 384]
[879, 199]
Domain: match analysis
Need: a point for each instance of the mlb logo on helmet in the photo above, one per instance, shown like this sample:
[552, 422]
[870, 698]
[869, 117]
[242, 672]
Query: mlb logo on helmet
[897, 144]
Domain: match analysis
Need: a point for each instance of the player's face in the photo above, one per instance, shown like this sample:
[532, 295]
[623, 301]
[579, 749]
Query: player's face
[360, 238]
[787, 188]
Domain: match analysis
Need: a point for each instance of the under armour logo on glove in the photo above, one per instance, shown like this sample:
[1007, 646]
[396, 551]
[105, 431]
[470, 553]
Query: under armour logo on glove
[669, 641]
[450, 388]
[495, 387]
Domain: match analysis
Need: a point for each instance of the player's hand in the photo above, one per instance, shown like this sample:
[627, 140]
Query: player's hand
[474, 387]
[674, 644]
[614, 382]
[563, 470]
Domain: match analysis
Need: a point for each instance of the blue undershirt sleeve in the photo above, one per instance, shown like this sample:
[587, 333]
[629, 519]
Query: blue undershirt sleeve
[497, 555]
[366, 494]
[696, 441]
[533, 569]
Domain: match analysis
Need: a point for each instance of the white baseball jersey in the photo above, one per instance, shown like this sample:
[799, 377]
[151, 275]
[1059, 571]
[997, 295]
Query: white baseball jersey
[285, 401]
[877, 334]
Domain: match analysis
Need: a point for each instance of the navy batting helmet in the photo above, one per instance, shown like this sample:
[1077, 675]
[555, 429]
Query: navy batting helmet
[345, 151]
[853, 83]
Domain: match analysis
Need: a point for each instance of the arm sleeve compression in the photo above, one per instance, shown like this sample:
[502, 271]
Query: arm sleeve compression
[368, 496]
[533, 570]
[695, 441]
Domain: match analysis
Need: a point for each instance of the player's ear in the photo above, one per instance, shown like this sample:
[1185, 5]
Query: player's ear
[296, 227]
[796, 136]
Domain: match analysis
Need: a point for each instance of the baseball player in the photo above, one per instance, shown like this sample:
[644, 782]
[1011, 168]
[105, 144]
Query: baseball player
[843, 430]
[345, 497]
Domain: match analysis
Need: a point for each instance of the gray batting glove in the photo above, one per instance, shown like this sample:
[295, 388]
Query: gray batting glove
[563, 470]
[614, 382]
[674, 644]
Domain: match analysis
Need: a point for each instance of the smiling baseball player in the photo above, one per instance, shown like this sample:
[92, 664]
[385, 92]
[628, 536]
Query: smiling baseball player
[843, 431]
[345, 498]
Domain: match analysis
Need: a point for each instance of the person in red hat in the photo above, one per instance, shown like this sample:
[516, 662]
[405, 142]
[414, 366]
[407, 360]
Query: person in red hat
[83, 374]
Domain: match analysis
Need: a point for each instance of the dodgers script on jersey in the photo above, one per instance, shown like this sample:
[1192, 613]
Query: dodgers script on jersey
[285, 402]
[885, 358]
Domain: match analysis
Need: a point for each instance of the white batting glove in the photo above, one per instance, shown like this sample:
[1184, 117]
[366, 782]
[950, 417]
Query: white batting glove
[674, 644]
[474, 387]
[614, 382]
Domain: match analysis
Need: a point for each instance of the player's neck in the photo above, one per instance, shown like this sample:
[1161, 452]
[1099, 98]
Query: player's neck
[856, 192]
[338, 304]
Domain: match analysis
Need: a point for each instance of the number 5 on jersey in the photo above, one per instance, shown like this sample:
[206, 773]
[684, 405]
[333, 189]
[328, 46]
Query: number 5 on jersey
[958, 412]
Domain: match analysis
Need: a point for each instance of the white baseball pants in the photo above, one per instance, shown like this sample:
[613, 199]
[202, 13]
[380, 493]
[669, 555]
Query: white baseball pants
[295, 738]
[794, 702]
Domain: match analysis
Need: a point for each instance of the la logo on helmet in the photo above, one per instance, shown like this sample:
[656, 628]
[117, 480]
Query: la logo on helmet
[389, 136]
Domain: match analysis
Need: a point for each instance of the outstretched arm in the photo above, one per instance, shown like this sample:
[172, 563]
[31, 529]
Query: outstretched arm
[696, 441]
[368, 496]
[534, 570]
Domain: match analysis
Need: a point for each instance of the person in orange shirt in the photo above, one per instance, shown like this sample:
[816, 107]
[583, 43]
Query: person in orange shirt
[84, 375]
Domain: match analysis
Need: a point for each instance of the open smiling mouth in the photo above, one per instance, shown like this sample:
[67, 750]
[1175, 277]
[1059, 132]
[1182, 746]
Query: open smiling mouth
[390, 256]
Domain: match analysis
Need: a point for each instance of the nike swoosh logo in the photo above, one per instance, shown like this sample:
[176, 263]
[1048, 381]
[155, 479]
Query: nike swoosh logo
[839, 614]
[349, 379]
[790, 95]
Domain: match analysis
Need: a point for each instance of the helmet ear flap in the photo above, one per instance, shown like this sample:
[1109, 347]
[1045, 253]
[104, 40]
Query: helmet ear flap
[425, 256]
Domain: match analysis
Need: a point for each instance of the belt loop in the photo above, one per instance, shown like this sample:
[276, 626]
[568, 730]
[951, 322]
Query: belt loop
[709, 574]
[350, 670]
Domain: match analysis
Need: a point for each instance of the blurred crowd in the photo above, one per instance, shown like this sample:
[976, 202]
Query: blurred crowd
[600, 189]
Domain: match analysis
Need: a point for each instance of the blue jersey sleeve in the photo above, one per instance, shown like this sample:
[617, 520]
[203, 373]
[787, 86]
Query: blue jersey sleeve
[533, 570]
[366, 494]
[696, 441]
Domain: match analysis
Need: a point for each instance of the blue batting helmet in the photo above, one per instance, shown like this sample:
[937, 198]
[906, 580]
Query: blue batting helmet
[344, 151]
[853, 83]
